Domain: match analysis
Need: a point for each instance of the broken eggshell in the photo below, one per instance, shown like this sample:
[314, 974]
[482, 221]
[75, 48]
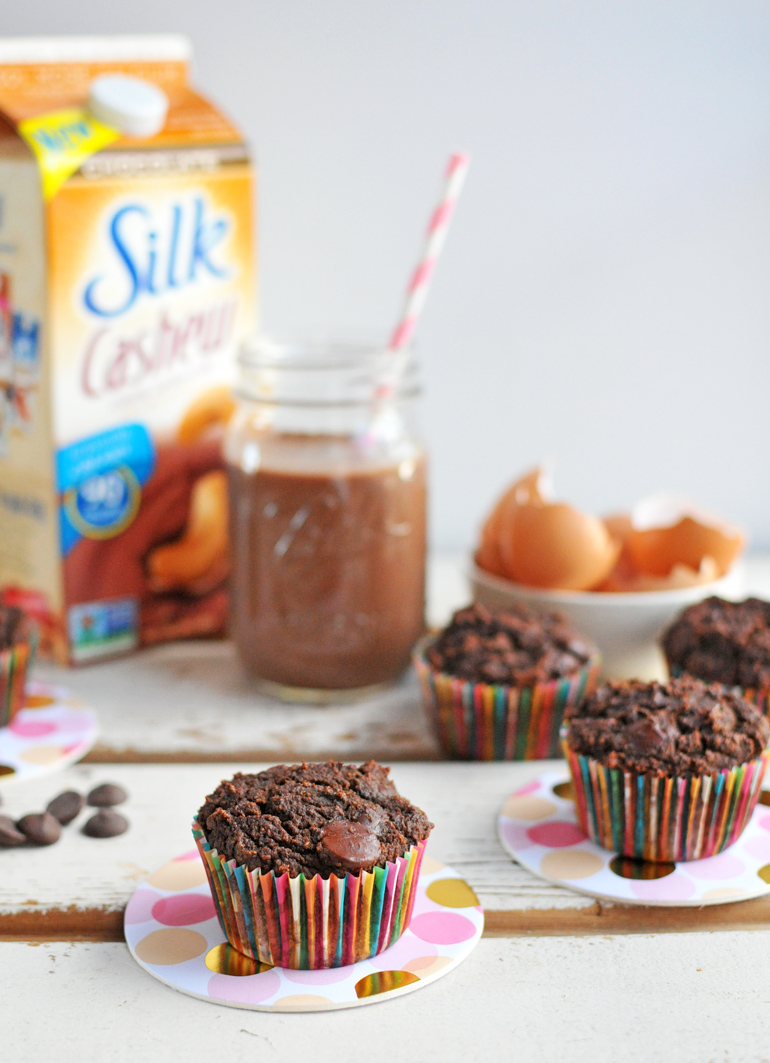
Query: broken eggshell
[540, 543]
[668, 532]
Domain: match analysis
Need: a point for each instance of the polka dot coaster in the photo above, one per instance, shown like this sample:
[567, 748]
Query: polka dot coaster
[538, 827]
[173, 932]
[51, 732]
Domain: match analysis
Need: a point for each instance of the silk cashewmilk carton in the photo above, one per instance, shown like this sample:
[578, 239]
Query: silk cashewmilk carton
[127, 283]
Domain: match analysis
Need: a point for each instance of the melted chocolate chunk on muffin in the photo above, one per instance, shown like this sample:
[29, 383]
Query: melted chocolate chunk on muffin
[723, 642]
[313, 818]
[667, 729]
[14, 626]
[516, 647]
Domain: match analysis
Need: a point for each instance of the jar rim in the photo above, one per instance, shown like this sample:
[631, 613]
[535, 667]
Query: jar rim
[354, 371]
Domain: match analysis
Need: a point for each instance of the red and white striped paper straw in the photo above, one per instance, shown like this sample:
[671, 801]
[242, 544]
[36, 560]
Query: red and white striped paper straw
[417, 290]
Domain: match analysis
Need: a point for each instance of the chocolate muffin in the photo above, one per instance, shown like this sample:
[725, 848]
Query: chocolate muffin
[723, 642]
[516, 647]
[316, 819]
[680, 728]
[312, 865]
[496, 684]
[666, 772]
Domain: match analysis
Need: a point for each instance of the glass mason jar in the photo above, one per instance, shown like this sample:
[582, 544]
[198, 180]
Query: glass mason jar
[327, 487]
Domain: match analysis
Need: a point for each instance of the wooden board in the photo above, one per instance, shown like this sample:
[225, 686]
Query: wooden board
[78, 888]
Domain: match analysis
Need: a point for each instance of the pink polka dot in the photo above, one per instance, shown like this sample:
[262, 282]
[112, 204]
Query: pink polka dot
[407, 948]
[764, 822]
[757, 847]
[139, 908]
[191, 854]
[530, 788]
[248, 989]
[671, 888]
[516, 836]
[556, 834]
[32, 728]
[183, 909]
[328, 976]
[724, 865]
[442, 928]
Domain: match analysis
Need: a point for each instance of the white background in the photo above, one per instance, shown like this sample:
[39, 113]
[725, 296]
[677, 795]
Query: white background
[603, 297]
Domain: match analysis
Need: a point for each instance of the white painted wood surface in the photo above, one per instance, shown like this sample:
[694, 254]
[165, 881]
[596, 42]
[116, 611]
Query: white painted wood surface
[191, 700]
[679, 999]
[86, 873]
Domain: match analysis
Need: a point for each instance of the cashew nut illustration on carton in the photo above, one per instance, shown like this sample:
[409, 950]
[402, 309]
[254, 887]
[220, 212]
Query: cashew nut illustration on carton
[197, 561]
[212, 409]
[202, 547]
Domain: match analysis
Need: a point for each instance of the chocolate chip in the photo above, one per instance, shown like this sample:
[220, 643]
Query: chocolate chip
[109, 793]
[9, 834]
[105, 824]
[66, 806]
[40, 827]
[352, 846]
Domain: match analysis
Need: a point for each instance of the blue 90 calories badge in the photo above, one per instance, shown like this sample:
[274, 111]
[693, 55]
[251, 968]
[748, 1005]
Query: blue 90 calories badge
[100, 480]
[104, 505]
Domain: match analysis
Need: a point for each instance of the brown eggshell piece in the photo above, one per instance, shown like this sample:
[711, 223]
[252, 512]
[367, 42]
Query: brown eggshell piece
[555, 546]
[680, 576]
[655, 551]
[529, 488]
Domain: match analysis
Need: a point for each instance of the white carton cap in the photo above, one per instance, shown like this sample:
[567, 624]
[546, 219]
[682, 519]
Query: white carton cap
[132, 105]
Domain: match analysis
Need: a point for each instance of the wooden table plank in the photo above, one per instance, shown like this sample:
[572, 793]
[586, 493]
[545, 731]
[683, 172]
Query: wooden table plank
[598, 1000]
[78, 888]
[191, 702]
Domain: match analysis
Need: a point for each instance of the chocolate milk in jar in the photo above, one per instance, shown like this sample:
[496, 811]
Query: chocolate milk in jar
[327, 487]
[127, 283]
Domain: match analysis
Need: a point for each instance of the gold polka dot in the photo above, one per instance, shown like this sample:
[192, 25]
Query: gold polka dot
[431, 866]
[42, 754]
[383, 982]
[38, 701]
[764, 797]
[169, 946]
[764, 873]
[525, 806]
[724, 893]
[6, 769]
[565, 790]
[452, 893]
[303, 1002]
[628, 867]
[425, 966]
[178, 875]
[570, 863]
[224, 959]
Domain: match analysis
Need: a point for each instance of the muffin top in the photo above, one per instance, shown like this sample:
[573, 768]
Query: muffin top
[316, 819]
[515, 647]
[723, 642]
[14, 626]
[676, 728]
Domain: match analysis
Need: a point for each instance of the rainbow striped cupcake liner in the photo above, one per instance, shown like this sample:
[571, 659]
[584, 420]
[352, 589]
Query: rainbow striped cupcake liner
[15, 663]
[759, 696]
[310, 922]
[483, 721]
[664, 819]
